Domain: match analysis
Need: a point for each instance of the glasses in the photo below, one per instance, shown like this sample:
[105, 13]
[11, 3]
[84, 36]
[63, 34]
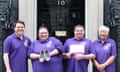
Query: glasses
[43, 32]
[19, 27]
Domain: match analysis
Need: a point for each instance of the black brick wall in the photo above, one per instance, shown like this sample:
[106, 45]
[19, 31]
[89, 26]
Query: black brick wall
[8, 14]
[112, 19]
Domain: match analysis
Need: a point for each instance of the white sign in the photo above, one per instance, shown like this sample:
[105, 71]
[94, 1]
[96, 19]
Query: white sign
[61, 33]
[79, 49]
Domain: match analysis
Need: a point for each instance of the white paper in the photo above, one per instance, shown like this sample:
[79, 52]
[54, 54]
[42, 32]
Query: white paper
[80, 49]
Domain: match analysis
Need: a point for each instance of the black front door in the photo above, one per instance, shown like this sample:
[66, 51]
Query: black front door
[60, 16]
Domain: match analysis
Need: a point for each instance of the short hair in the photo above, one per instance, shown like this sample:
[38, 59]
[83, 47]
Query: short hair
[79, 25]
[19, 21]
[43, 27]
[103, 27]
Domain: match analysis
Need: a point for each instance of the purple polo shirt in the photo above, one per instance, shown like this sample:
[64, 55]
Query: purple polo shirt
[74, 65]
[103, 51]
[17, 50]
[55, 62]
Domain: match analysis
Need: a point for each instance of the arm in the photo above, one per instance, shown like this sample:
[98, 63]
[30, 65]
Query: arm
[89, 56]
[66, 55]
[6, 62]
[6, 50]
[34, 56]
[54, 52]
[109, 61]
[31, 53]
[100, 67]
[37, 56]
[95, 63]
[58, 47]
[113, 54]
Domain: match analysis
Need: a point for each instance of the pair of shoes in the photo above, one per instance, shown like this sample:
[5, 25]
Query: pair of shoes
[44, 55]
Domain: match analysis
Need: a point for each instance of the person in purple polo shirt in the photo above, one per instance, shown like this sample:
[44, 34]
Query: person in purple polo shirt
[46, 53]
[105, 51]
[78, 51]
[15, 49]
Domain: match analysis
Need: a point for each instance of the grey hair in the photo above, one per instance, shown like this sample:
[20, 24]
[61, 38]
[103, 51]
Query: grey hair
[103, 27]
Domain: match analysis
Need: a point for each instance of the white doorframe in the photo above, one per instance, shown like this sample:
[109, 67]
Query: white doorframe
[93, 19]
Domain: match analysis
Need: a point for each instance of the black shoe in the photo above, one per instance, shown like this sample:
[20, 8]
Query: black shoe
[41, 59]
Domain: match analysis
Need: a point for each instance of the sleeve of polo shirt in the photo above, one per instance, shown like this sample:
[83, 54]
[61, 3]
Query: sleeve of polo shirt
[113, 53]
[66, 49]
[91, 49]
[30, 49]
[58, 45]
[7, 45]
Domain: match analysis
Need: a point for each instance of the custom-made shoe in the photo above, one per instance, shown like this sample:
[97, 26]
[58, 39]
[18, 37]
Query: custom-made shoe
[41, 59]
[46, 55]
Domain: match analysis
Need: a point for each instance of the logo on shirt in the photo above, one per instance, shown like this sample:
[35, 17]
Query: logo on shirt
[26, 43]
[49, 44]
[107, 46]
